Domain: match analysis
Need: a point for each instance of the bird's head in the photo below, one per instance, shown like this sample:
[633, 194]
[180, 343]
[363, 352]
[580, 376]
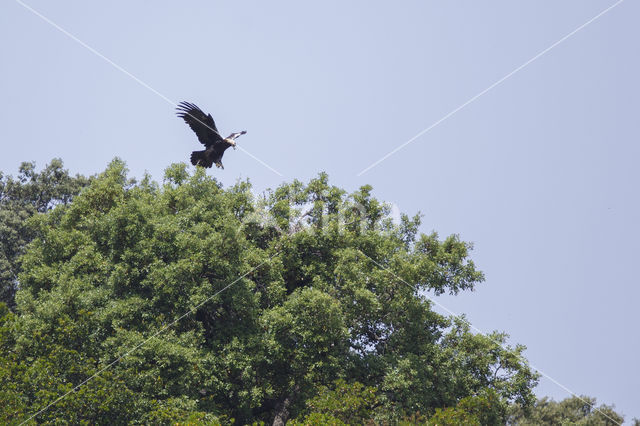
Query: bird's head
[231, 142]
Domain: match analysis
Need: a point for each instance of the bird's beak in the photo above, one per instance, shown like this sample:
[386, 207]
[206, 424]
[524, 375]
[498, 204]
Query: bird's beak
[234, 144]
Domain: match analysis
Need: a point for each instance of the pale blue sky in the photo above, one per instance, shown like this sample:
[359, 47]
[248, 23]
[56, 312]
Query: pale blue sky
[540, 172]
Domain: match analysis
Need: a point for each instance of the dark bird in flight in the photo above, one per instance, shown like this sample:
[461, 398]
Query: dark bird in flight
[205, 128]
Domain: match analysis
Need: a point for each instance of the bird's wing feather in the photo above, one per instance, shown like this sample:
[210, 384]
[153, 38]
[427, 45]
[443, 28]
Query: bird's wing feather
[202, 124]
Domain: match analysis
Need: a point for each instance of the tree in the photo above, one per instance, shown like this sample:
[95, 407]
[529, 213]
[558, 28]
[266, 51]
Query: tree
[21, 198]
[486, 408]
[342, 403]
[570, 411]
[207, 304]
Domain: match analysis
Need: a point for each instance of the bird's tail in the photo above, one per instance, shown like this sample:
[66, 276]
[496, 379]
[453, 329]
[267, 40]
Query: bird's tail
[198, 158]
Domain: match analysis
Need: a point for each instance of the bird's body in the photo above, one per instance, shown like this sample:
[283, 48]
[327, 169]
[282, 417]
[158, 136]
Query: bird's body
[205, 128]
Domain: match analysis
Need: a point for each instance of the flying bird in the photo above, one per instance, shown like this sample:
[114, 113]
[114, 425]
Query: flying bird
[205, 128]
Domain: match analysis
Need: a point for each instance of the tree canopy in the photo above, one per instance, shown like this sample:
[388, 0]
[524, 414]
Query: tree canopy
[183, 301]
[21, 198]
[575, 410]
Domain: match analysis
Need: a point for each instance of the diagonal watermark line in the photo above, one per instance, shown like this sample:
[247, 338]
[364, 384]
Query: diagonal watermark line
[476, 329]
[92, 50]
[171, 324]
[489, 88]
[124, 71]
[258, 160]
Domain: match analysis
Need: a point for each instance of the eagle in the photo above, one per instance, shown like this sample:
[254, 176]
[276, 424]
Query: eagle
[205, 128]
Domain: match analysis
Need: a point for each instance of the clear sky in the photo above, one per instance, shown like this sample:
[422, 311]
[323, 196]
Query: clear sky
[540, 172]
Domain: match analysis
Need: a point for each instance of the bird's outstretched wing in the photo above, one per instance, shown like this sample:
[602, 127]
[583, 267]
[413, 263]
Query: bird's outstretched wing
[202, 124]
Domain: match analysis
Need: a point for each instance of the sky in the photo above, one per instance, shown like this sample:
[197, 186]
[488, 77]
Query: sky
[531, 150]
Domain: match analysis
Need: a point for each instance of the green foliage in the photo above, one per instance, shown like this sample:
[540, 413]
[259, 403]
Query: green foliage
[487, 408]
[20, 199]
[318, 419]
[342, 403]
[179, 411]
[578, 411]
[12, 403]
[206, 305]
